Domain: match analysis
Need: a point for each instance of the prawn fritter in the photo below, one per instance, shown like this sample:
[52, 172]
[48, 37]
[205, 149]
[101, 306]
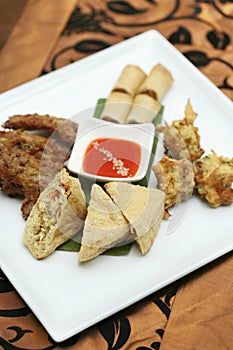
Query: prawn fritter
[182, 139]
[214, 179]
[175, 178]
[22, 174]
[65, 129]
[19, 173]
[33, 144]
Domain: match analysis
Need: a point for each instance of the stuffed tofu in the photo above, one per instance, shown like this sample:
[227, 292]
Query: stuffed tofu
[143, 207]
[105, 226]
[57, 215]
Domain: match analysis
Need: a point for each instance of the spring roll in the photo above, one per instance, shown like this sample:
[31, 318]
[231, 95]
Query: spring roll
[144, 109]
[117, 107]
[157, 83]
[129, 80]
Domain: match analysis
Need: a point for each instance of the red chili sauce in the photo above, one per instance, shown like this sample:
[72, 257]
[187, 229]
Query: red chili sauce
[112, 158]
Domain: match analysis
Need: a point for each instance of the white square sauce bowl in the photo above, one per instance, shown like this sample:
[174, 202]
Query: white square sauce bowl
[92, 130]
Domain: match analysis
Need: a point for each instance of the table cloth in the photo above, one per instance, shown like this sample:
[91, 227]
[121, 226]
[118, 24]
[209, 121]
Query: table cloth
[195, 312]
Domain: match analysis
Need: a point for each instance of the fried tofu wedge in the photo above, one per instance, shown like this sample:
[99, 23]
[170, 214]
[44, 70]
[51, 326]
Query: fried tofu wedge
[105, 226]
[143, 207]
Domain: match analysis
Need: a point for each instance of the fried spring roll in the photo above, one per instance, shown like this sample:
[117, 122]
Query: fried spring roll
[157, 83]
[129, 80]
[144, 109]
[117, 107]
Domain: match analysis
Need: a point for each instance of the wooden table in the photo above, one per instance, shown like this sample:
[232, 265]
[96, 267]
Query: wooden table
[37, 37]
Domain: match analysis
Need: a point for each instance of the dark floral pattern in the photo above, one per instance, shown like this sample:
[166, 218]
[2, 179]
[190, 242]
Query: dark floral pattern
[186, 24]
[116, 331]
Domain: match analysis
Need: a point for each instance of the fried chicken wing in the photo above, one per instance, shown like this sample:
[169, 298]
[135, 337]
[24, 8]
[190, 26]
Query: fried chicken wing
[65, 129]
[214, 179]
[175, 178]
[182, 139]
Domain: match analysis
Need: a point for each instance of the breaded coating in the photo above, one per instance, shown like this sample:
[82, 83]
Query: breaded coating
[182, 139]
[19, 173]
[28, 162]
[24, 175]
[65, 129]
[175, 178]
[7, 135]
[26, 167]
[33, 144]
[214, 179]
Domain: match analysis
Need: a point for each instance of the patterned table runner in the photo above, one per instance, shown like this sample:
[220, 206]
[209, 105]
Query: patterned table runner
[197, 311]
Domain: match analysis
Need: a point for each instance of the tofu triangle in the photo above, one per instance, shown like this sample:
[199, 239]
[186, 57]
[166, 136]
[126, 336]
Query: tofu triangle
[105, 225]
[143, 207]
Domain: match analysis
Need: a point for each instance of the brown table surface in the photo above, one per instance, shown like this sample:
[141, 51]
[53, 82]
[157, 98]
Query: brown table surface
[37, 37]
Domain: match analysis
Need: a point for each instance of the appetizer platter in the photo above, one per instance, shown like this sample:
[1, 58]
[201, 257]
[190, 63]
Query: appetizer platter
[184, 224]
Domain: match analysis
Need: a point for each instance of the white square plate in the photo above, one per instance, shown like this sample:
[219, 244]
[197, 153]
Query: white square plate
[68, 297]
